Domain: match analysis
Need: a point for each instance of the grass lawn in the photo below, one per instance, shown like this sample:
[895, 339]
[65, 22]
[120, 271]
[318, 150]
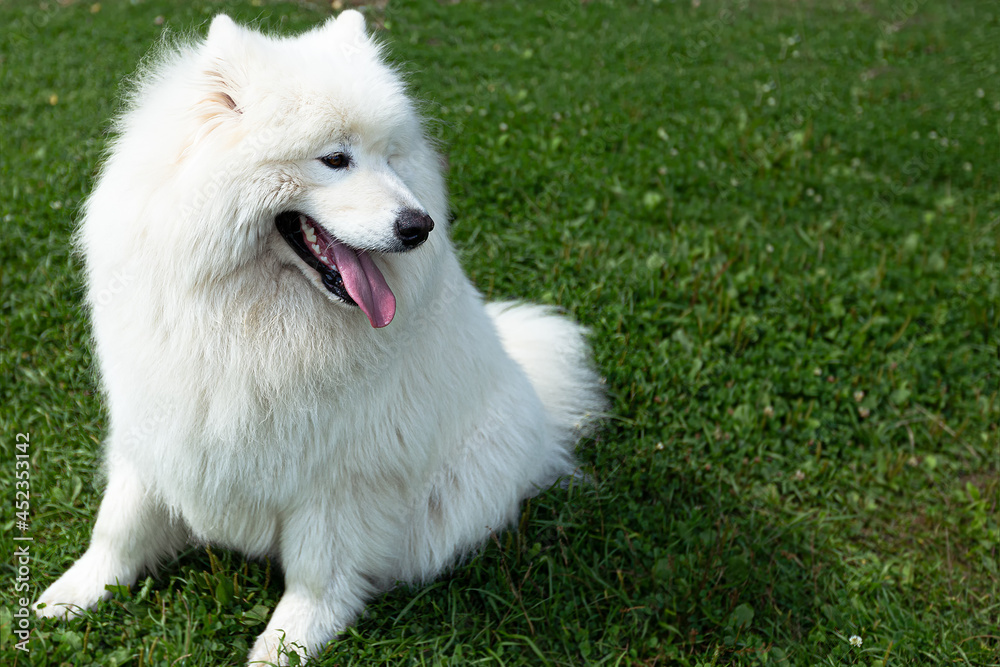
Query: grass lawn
[781, 221]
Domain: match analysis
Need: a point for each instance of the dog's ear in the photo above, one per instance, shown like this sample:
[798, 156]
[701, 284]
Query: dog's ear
[223, 77]
[352, 22]
[347, 32]
[224, 30]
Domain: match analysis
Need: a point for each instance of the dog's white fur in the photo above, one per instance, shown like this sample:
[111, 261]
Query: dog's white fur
[252, 409]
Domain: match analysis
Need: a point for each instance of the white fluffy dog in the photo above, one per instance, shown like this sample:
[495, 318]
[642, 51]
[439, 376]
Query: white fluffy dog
[295, 364]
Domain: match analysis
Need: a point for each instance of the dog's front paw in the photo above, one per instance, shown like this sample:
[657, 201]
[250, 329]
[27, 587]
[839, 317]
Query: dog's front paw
[69, 596]
[80, 588]
[272, 648]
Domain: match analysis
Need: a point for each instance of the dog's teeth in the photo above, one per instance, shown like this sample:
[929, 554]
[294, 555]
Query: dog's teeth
[307, 229]
[315, 247]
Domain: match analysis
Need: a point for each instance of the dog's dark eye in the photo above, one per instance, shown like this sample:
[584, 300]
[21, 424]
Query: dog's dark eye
[336, 161]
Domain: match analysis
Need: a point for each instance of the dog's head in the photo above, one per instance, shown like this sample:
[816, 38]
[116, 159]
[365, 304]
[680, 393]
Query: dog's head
[300, 151]
[348, 192]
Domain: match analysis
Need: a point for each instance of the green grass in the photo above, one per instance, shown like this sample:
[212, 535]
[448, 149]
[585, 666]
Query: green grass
[781, 222]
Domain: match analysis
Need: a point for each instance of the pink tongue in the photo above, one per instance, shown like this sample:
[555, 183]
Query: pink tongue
[365, 284]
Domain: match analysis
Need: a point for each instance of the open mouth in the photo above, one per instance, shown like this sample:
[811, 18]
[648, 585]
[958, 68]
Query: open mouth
[346, 272]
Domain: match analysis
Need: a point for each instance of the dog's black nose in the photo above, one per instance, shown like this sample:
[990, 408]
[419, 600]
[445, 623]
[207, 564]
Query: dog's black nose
[412, 227]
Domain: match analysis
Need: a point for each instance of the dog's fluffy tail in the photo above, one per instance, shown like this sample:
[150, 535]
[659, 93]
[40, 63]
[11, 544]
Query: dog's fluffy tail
[554, 353]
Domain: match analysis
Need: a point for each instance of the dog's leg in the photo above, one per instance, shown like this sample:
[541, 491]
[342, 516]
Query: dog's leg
[132, 532]
[323, 594]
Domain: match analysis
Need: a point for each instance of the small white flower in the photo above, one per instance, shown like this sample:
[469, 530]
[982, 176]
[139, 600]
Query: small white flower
[855, 641]
[858, 395]
[768, 411]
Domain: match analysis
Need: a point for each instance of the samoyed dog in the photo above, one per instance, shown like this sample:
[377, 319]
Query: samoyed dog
[294, 363]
